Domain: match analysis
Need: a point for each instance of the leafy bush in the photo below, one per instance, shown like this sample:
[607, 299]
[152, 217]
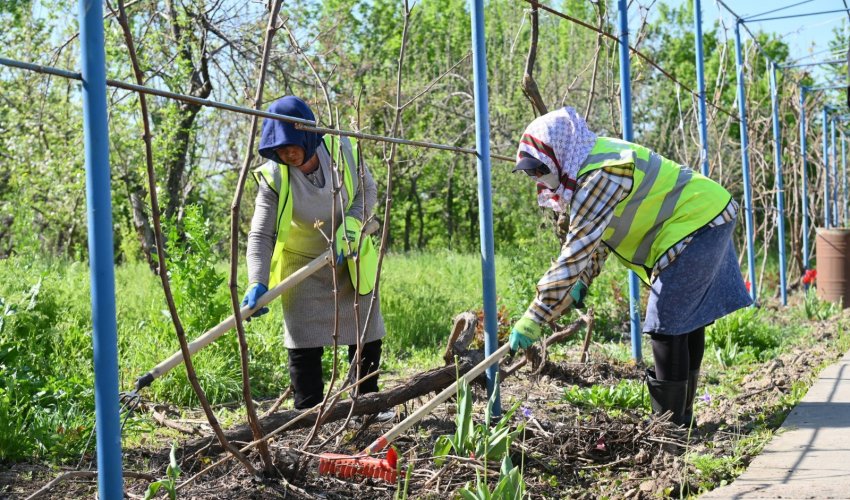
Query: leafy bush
[627, 394]
[46, 401]
[743, 336]
[203, 300]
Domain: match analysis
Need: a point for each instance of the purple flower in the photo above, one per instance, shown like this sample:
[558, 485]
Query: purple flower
[526, 412]
[705, 398]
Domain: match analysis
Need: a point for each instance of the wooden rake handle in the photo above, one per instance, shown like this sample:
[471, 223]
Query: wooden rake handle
[382, 442]
[228, 324]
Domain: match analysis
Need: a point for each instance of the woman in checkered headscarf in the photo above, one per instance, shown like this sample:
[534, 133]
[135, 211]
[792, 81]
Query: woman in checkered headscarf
[670, 225]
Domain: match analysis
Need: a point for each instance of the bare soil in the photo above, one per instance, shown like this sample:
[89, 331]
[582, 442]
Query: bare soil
[566, 452]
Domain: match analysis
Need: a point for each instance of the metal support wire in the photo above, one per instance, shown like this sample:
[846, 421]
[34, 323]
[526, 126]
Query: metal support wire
[818, 63]
[792, 16]
[827, 87]
[703, 126]
[99, 211]
[804, 190]
[299, 122]
[628, 135]
[485, 202]
[747, 18]
[745, 164]
[637, 52]
[780, 189]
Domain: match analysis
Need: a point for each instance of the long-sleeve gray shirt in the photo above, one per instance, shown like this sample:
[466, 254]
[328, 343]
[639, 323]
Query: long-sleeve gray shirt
[311, 215]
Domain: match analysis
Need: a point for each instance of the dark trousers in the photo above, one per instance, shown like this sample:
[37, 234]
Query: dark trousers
[305, 372]
[676, 355]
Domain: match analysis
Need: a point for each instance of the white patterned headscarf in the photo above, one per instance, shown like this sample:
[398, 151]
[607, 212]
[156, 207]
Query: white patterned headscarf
[562, 141]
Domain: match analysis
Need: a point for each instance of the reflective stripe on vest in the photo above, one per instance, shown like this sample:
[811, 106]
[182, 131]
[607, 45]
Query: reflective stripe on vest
[278, 180]
[667, 203]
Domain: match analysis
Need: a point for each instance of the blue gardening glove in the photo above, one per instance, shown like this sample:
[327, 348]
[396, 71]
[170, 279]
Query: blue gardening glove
[347, 238]
[251, 297]
[524, 333]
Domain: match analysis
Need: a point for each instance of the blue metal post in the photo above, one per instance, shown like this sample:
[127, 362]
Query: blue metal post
[834, 164]
[780, 189]
[804, 190]
[844, 179]
[101, 263]
[826, 218]
[628, 135]
[703, 127]
[485, 203]
[745, 163]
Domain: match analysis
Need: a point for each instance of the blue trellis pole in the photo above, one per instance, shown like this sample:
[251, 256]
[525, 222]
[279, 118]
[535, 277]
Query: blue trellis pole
[826, 218]
[485, 202]
[745, 163]
[101, 258]
[844, 178]
[628, 135]
[780, 189]
[834, 168]
[703, 127]
[804, 190]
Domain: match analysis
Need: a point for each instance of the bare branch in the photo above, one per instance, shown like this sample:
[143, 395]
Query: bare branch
[160, 248]
[253, 421]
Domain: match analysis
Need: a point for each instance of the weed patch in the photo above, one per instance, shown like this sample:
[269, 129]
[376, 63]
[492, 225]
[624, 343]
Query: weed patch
[627, 394]
[743, 337]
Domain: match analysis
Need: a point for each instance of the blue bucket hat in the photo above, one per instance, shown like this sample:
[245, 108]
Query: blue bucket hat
[277, 133]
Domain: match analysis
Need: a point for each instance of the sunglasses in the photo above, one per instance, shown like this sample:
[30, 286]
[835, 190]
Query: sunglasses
[539, 169]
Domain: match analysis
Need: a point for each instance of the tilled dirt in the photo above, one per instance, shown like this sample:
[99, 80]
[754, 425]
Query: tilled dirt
[566, 452]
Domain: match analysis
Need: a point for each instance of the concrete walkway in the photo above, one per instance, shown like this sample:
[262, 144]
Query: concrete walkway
[810, 457]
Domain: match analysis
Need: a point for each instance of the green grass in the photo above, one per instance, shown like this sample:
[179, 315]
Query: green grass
[46, 398]
[46, 379]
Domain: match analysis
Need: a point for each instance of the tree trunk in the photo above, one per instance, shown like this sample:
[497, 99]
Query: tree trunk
[200, 85]
[142, 222]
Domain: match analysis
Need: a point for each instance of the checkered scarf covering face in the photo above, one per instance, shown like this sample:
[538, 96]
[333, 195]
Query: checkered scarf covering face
[562, 141]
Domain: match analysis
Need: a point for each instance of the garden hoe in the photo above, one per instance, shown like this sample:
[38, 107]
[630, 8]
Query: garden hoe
[220, 329]
[367, 465]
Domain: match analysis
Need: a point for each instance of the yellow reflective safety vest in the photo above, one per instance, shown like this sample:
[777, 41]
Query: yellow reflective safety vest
[667, 203]
[278, 180]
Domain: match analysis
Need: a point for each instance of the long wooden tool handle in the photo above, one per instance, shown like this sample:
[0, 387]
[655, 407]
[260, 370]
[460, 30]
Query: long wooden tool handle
[382, 442]
[228, 324]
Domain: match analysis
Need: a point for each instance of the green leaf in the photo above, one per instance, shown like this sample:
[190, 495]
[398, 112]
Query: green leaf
[442, 446]
[173, 470]
[466, 494]
[153, 489]
[463, 419]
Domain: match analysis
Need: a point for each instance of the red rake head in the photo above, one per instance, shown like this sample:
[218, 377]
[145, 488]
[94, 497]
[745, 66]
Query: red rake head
[348, 466]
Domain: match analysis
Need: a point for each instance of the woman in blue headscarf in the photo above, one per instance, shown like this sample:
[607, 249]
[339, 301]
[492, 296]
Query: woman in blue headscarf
[291, 226]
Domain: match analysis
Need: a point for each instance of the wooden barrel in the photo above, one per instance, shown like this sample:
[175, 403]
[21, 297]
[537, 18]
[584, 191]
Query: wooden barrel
[832, 247]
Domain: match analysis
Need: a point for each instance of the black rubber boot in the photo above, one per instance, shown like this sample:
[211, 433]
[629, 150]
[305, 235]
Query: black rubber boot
[693, 381]
[666, 395]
